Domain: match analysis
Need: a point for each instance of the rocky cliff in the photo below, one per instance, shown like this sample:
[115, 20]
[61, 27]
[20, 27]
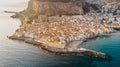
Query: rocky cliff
[56, 7]
[52, 8]
[61, 7]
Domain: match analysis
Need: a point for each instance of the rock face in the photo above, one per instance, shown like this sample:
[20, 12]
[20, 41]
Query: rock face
[56, 7]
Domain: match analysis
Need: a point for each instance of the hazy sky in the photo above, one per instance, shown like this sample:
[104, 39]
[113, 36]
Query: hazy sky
[11, 1]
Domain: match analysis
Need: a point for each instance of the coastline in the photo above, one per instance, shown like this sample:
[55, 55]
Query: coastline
[65, 52]
[54, 33]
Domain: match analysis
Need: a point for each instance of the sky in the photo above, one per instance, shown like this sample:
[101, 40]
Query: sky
[12, 4]
[4, 2]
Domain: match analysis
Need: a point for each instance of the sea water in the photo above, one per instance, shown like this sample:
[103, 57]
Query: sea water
[20, 54]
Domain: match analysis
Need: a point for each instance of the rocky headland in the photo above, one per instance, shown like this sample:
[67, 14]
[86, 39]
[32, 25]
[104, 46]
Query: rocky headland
[60, 26]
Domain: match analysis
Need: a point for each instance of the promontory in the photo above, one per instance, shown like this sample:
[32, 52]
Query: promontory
[61, 26]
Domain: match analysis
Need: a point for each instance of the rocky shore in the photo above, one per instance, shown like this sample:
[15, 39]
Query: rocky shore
[62, 32]
[65, 52]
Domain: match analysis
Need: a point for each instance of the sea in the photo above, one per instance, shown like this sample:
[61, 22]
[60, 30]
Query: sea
[20, 54]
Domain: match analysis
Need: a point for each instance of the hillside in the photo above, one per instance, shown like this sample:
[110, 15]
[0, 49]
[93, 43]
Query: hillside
[60, 7]
[51, 8]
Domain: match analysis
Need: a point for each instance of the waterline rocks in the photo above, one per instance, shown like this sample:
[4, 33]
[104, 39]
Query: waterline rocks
[65, 52]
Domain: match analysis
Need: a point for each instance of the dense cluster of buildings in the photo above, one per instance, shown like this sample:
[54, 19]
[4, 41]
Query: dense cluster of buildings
[58, 31]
